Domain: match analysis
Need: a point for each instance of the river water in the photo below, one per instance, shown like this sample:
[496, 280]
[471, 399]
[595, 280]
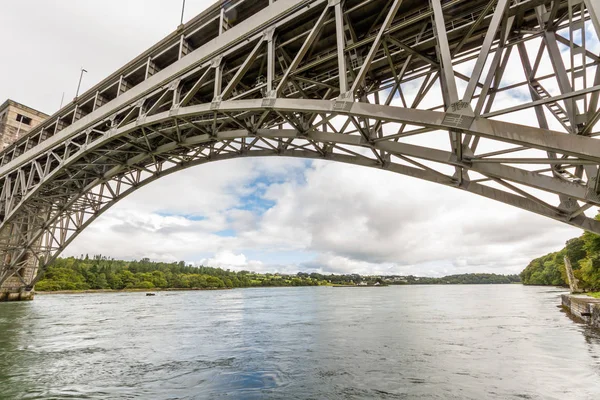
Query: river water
[409, 342]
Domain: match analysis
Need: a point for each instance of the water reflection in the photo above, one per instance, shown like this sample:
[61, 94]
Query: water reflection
[15, 322]
[591, 336]
[468, 342]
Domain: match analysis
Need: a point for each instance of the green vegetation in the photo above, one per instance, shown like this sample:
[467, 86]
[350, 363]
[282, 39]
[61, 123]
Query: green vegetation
[595, 295]
[102, 273]
[584, 253]
[466, 279]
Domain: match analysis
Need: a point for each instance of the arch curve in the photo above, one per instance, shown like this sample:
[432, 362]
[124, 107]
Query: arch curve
[347, 159]
[388, 145]
[100, 168]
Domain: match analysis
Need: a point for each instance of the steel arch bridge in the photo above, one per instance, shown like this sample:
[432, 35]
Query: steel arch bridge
[425, 89]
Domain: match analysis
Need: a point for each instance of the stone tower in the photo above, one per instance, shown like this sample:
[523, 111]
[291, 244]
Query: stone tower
[16, 120]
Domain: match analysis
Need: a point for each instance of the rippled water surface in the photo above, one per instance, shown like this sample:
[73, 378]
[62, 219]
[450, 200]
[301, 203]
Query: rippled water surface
[415, 342]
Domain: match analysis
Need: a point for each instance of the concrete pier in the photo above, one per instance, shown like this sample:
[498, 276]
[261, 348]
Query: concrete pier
[583, 307]
[14, 288]
[16, 295]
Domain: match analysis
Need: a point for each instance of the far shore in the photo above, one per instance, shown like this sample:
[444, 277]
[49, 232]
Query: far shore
[93, 291]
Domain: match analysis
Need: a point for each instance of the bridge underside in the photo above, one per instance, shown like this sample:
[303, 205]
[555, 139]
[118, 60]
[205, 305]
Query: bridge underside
[497, 97]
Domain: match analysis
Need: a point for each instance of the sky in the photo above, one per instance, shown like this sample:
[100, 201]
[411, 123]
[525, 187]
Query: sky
[266, 215]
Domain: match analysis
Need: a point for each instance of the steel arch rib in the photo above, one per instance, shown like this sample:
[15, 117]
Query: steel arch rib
[388, 113]
[542, 139]
[512, 133]
[475, 188]
[578, 146]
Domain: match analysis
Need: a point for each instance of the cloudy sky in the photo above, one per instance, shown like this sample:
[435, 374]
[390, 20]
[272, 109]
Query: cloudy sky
[260, 214]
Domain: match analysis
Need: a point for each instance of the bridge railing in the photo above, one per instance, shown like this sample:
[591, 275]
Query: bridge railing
[188, 37]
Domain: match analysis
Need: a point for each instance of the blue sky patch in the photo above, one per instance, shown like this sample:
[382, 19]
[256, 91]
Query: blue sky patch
[226, 233]
[191, 217]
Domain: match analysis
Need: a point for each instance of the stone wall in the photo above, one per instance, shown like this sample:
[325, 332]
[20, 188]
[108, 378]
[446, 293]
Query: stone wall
[17, 295]
[583, 307]
[16, 120]
[13, 288]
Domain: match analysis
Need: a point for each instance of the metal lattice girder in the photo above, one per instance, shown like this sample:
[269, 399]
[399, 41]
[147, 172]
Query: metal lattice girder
[367, 82]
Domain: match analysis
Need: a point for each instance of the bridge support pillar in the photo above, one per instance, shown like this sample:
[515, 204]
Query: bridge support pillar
[17, 284]
[13, 289]
[15, 294]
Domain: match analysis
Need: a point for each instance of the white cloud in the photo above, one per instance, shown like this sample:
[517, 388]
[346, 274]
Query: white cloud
[354, 219]
[236, 262]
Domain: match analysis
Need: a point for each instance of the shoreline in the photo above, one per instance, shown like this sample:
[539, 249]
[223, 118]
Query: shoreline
[100, 291]
[96, 291]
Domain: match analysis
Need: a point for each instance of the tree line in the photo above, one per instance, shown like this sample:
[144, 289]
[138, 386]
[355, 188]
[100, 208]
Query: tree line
[103, 273]
[584, 254]
[466, 279]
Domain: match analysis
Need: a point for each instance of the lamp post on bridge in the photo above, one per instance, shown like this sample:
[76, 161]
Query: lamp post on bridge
[182, 14]
[79, 84]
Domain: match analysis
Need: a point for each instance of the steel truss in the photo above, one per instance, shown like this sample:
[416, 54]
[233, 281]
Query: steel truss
[355, 81]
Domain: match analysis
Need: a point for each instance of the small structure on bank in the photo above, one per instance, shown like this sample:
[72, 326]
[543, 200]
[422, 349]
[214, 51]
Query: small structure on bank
[580, 306]
[573, 282]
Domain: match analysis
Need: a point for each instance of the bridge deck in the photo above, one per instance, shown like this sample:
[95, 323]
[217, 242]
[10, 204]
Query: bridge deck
[204, 30]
